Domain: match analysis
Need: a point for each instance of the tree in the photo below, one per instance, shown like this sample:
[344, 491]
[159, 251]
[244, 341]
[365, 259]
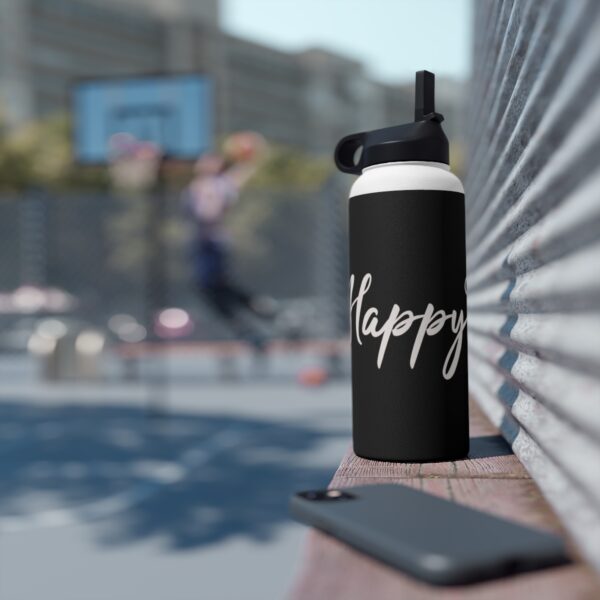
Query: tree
[39, 154]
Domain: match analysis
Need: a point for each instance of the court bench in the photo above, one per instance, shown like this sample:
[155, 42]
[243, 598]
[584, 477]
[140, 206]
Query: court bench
[492, 480]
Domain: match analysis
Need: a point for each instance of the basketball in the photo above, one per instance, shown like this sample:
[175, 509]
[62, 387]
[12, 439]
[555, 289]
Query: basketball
[312, 376]
[244, 146]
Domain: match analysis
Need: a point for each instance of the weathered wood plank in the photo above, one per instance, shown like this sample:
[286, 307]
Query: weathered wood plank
[499, 467]
[496, 484]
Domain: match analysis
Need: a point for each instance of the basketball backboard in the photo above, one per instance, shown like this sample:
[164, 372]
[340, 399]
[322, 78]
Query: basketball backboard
[173, 111]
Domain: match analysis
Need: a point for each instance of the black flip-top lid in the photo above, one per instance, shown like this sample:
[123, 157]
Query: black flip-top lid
[422, 140]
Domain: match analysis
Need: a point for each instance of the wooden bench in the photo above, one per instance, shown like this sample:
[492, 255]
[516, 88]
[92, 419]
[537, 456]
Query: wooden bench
[492, 480]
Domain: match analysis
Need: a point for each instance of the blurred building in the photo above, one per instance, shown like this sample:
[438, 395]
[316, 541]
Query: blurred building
[307, 99]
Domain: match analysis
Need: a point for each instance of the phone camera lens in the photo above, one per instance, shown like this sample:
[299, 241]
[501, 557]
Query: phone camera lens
[333, 494]
[326, 495]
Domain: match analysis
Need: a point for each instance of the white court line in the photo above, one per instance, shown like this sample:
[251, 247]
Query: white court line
[165, 473]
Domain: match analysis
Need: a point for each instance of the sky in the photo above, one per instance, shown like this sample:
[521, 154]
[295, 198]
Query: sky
[393, 38]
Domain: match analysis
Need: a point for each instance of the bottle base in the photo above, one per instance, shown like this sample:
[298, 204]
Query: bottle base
[433, 459]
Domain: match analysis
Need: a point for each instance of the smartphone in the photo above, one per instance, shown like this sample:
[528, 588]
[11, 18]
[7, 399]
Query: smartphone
[433, 539]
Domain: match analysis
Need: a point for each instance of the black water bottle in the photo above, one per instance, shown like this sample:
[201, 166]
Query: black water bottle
[408, 295]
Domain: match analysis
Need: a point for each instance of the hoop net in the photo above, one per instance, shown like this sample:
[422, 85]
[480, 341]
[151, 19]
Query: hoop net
[133, 164]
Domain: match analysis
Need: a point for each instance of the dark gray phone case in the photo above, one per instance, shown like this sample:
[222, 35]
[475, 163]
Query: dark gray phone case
[436, 540]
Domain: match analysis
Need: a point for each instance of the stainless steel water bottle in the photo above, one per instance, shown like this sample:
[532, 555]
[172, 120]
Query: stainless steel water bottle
[407, 290]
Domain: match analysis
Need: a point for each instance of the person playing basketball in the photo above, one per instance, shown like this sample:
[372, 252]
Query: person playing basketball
[214, 189]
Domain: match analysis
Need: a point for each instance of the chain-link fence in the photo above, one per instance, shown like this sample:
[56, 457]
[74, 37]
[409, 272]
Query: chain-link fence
[98, 249]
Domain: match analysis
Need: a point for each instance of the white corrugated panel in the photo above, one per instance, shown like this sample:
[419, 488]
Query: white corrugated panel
[533, 244]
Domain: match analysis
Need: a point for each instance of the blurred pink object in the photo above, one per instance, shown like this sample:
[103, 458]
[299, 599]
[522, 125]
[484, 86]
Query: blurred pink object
[173, 323]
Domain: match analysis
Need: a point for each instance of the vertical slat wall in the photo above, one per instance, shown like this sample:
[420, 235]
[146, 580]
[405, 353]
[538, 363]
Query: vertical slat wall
[533, 244]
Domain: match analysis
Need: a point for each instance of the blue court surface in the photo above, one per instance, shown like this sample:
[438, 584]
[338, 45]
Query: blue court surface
[110, 504]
